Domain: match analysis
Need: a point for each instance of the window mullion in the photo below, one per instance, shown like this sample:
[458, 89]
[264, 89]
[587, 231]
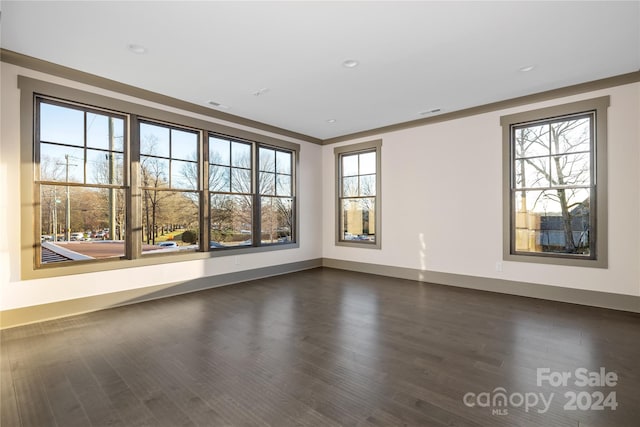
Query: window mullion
[134, 206]
[257, 197]
[203, 171]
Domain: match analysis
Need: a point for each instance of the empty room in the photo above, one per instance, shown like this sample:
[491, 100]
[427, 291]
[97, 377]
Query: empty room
[320, 213]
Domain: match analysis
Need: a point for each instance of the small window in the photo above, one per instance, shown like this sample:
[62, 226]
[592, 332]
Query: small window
[358, 194]
[556, 183]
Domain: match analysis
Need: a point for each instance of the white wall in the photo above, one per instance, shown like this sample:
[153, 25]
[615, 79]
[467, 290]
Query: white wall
[442, 200]
[435, 178]
[15, 293]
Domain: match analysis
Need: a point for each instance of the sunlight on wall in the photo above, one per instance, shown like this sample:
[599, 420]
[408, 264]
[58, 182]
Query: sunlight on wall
[423, 257]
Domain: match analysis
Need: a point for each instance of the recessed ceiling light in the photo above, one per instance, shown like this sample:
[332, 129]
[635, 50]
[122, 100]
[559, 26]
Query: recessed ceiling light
[137, 49]
[526, 69]
[331, 121]
[261, 92]
[350, 63]
[430, 111]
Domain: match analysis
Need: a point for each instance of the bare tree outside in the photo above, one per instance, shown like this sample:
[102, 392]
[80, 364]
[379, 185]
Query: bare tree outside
[553, 185]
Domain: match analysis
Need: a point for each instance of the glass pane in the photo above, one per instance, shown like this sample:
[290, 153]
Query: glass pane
[154, 140]
[219, 151]
[82, 228]
[267, 160]
[368, 163]
[184, 145]
[170, 221]
[59, 163]
[283, 162]
[368, 185]
[532, 141]
[267, 183]
[61, 125]
[571, 136]
[350, 165]
[97, 131]
[105, 132]
[358, 219]
[556, 221]
[532, 172]
[572, 169]
[104, 167]
[184, 175]
[219, 178]
[154, 172]
[283, 185]
[118, 135]
[240, 180]
[276, 214]
[241, 155]
[231, 221]
[350, 186]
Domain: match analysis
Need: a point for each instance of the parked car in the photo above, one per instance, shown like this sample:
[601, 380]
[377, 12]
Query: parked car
[76, 237]
[168, 244]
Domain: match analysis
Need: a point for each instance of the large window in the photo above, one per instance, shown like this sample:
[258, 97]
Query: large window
[358, 194]
[81, 181]
[231, 192]
[170, 184]
[276, 195]
[118, 181]
[556, 183]
[247, 208]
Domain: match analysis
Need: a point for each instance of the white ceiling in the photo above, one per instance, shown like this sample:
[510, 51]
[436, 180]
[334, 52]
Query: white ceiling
[414, 56]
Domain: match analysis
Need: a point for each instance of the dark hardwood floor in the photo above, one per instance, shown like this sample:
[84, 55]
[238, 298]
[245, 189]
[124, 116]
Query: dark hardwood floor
[322, 347]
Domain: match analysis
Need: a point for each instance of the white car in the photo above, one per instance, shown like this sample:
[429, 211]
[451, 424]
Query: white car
[76, 236]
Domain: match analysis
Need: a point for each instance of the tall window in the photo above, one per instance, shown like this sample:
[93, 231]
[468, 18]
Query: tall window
[169, 177]
[231, 193]
[247, 208]
[81, 181]
[276, 195]
[555, 182]
[358, 194]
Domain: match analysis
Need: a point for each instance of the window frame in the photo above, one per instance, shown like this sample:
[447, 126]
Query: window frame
[256, 196]
[30, 268]
[597, 107]
[169, 188]
[339, 153]
[38, 182]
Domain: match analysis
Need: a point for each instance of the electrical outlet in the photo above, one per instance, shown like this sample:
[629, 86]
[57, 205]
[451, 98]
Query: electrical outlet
[236, 260]
[499, 266]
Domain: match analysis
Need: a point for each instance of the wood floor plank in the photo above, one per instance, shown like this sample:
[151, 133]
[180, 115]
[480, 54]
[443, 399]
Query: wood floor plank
[9, 415]
[67, 409]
